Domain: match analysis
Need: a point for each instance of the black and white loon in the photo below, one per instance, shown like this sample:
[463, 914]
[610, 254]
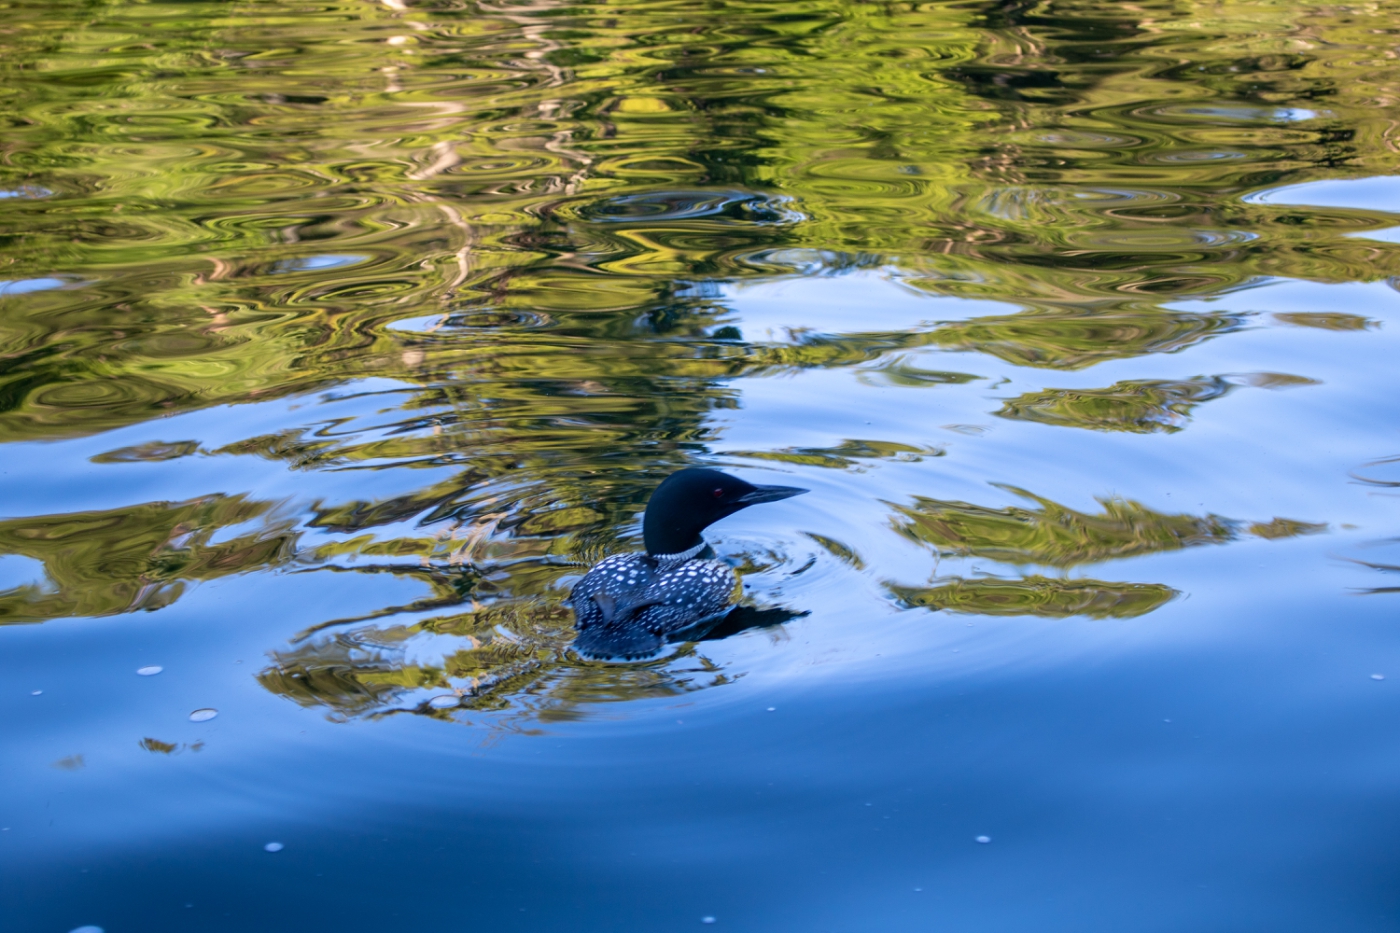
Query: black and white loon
[628, 604]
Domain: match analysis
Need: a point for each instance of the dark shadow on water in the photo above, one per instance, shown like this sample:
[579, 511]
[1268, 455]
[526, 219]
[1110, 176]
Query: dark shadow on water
[604, 643]
[746, 618]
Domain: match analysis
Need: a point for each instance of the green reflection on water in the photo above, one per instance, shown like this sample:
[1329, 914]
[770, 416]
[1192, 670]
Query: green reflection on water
[142, 557]
[1036, 596]
[521, 217]
[1140, 406]
[509, 657]
[1054, 535]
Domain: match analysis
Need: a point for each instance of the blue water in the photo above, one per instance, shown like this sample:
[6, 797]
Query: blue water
[1224, 762]
[1088, 622]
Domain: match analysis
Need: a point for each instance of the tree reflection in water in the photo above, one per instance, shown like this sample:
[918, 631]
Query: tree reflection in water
[504, 248]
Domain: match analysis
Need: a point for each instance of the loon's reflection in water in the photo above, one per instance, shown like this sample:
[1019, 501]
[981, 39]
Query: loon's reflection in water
[518, 661]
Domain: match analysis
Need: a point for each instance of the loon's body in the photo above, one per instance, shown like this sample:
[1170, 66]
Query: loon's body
[628, 604]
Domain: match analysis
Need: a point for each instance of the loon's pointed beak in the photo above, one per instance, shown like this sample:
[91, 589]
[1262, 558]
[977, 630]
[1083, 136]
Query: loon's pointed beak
[770, 494]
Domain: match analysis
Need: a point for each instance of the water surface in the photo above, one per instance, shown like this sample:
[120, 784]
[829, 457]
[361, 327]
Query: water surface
[337, 340]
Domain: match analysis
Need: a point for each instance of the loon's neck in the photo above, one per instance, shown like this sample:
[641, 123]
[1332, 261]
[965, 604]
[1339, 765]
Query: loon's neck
[681, 556]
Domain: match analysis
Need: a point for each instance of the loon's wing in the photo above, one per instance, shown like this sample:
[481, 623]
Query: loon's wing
[618, 608]
[615, 590]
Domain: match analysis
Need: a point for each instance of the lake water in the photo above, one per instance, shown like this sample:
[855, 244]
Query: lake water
[337, 339]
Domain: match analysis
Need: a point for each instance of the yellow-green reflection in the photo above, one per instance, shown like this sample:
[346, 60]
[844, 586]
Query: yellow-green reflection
[194, 187]
[1142, 406]
[1326, 320]
[1285, 528]
[510, 657]
[1036, 596]
[521, 218]
[845, 455]
[142, 557]
[1053, 535]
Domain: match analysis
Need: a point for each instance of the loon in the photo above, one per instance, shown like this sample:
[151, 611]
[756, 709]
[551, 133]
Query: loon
[628, 604]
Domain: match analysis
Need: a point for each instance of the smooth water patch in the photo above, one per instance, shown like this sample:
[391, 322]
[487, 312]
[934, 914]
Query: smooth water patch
[26, 191]
[1387, 235]
[17, 571]
[25, 286]
[1243, 114]
[863, 302]
[316, 263]
[1381, 193]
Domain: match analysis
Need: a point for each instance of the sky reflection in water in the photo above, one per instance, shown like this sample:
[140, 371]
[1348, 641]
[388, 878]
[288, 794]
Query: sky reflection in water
[338, 341]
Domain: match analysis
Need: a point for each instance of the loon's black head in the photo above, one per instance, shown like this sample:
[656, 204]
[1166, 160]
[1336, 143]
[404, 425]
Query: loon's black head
[689, 501]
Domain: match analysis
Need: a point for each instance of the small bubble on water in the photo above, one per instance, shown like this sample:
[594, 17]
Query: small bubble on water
[918, 889]
[772, 709]
[984, 839]
[707, 919]
[273, 847]
[1378, 677]
[87, 929]
[203, 715]
[445, 702]
[35, 693]
[150, 670]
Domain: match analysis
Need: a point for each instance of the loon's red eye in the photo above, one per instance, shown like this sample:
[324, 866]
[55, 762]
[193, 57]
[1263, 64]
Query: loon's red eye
[719, 493]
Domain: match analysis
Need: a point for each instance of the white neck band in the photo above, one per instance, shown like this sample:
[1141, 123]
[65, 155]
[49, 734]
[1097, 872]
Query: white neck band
[680, 556]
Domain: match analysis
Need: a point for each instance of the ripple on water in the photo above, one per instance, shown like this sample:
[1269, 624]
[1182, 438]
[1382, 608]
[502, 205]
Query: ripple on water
[1156, 238]
[316, 263]
[92, 393]
[485, 319]
[1081, 139]
[152, 452]
[1235, 113]
[732, 206]
[1022, 202]
[1196, 156]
